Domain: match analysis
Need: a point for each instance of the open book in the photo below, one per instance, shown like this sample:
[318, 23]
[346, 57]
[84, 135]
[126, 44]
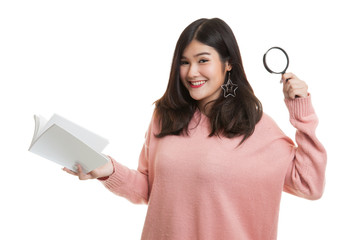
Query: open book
[67, 144]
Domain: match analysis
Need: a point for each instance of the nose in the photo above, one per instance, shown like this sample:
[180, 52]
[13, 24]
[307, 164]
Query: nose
[193, 71]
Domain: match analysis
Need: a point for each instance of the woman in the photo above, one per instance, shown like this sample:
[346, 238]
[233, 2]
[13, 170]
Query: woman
[213, 166]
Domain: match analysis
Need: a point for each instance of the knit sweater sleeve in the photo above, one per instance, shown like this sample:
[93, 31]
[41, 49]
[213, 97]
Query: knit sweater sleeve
[128, 183]
[305, 176]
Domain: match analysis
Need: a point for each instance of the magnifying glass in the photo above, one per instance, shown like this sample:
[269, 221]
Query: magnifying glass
[276, 60]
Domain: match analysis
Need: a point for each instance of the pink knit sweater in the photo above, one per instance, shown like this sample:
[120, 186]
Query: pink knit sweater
[207, 188]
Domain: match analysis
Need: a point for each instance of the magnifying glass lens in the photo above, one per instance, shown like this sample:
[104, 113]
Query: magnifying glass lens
[276, 60]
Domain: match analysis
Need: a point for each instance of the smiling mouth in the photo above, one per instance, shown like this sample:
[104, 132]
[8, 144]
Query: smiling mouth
[196, 84]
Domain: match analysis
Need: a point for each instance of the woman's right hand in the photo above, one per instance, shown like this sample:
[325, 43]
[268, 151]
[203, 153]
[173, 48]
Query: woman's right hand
[100, 172]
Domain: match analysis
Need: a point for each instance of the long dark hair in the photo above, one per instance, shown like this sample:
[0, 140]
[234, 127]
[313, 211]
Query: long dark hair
[229, 117]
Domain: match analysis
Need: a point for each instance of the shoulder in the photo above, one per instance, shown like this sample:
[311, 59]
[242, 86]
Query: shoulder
[266, 123]
[154, 126]
[267, 128]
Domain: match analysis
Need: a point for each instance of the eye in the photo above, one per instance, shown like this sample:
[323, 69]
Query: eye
[203, 61]
[183, 62]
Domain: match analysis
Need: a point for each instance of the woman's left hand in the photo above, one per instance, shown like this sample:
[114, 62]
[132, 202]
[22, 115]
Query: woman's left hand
[293, 87]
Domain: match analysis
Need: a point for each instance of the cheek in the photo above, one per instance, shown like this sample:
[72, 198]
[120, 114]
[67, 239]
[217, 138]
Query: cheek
[183, 73]
[213, 73]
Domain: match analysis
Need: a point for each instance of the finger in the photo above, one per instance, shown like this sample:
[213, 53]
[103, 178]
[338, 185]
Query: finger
[70, 171]
[82, 175]
[287, 85]
[301, 92]
[292, 94]
[288, 76]
[294, 83]
[291, 88]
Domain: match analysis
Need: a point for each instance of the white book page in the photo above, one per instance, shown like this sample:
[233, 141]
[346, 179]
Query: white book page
[40, 123]
[61, 147]
[93, 140]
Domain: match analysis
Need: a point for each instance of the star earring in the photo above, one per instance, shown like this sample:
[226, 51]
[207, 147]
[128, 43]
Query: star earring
[229, 88]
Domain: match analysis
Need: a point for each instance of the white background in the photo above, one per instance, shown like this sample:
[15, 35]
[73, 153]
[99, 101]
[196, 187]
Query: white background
[103, 63]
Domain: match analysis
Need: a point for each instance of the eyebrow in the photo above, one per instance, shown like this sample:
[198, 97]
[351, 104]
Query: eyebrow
[199, 54]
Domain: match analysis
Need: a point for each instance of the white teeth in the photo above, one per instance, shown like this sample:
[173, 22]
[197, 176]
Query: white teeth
[197, 83]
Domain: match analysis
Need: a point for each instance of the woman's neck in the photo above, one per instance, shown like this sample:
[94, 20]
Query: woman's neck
[205, 108]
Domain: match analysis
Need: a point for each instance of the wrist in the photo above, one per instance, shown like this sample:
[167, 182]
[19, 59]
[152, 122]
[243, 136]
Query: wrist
[110, 169]
[299, 107]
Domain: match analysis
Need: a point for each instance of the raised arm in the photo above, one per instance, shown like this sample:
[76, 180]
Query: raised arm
[306, 173]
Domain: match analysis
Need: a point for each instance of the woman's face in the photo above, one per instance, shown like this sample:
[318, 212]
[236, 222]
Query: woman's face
[202, 72]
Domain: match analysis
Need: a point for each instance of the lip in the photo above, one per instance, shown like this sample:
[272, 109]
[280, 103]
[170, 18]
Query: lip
[197, 86]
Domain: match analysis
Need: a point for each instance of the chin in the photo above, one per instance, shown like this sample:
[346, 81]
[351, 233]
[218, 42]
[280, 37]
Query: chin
[196, 97]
